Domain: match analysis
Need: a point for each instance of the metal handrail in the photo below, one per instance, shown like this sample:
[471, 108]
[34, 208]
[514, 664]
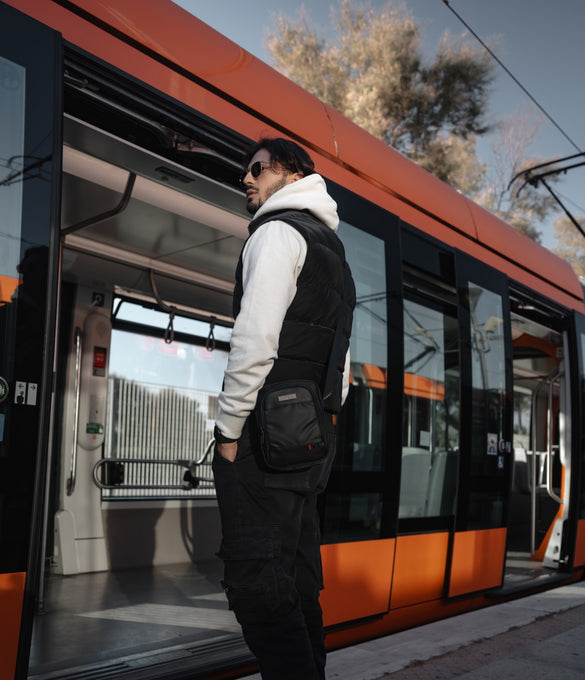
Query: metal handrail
[549, 476]
[535, 482]
[102, 217]
[548, 380]
[190, 481]
[73, 466]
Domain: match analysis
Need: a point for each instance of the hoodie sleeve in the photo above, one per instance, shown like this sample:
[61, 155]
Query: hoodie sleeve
[271, 263]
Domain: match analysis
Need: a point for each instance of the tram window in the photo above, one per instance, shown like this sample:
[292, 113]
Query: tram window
[488, 395]
[364, 411]
[430, 430]
[582, 382]
[354, 516]
[522, 417]
[354, 501]
[12, 144]
[162, 403]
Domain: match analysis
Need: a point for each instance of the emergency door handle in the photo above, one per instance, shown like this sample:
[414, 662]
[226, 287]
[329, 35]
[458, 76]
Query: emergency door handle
[73, 466]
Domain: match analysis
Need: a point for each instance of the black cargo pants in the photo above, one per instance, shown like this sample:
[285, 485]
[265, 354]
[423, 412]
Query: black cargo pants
[272, 559]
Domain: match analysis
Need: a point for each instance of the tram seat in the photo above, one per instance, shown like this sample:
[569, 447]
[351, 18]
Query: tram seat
[521, 477]
[443, 484]
[522, 482]
[520, 503]
[414, 481]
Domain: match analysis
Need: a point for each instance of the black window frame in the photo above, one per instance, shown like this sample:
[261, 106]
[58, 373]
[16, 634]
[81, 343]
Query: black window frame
[372, 219]
[431, 262]
[472, 270]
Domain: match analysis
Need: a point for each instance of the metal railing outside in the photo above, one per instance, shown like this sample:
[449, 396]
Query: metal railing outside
[151, 423]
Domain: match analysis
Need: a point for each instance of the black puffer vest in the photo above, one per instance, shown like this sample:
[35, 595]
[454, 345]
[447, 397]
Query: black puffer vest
[309, 324]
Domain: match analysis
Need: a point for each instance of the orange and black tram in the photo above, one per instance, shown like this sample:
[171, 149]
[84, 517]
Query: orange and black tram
[459, 476]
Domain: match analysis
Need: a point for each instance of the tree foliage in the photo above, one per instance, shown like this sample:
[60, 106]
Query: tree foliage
[571, 243]
[518, 203]
[374, 72]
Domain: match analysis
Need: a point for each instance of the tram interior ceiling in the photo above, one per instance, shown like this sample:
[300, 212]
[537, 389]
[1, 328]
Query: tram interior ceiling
[182, 237]
[113, 106]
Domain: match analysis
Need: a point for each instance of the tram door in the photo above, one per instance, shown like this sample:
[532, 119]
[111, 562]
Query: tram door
[29, 171]
[456, 434]
[542, 460]
[148, 249]
[486, 438]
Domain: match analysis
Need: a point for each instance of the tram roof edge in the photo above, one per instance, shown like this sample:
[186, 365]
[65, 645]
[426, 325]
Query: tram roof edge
[274, 103]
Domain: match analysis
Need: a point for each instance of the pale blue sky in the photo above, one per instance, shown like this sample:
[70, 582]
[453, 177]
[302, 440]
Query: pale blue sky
[539, 41]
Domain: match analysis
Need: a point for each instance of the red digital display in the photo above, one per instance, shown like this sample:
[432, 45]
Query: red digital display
[99, 357]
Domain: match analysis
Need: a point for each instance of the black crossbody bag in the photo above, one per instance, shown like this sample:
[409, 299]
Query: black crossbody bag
[292, 419]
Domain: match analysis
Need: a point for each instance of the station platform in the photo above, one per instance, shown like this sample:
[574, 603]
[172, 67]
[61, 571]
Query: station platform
[541, 637]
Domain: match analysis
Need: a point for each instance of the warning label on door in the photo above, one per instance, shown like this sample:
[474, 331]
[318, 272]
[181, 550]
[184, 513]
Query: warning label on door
[25, 393]
[492, 444]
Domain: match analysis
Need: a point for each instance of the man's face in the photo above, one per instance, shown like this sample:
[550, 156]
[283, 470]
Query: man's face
[272, 178]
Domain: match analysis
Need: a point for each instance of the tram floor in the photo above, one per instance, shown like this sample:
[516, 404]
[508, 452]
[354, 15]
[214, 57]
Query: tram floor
[104, 623]
[104, 617]
[522, 570]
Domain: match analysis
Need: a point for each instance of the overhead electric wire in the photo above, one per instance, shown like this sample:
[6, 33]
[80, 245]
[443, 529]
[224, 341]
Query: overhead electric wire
[573, 203]
[507, 70]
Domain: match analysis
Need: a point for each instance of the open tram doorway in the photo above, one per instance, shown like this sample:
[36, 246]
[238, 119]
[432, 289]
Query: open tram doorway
[541, 448]
[149, 244]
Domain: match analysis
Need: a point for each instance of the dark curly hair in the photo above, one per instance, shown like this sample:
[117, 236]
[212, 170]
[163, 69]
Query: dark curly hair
[290, 155]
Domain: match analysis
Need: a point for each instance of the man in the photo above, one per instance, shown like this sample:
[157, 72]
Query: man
[287, 301]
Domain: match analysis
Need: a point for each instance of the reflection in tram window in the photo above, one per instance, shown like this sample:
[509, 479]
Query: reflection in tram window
[488, 473]
[353, 514]
[582, 385]
[353, 517]
[162, 402]
[364, 411]
[430, 433]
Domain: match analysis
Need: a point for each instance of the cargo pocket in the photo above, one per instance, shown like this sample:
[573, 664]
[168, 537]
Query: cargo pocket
[250, 575]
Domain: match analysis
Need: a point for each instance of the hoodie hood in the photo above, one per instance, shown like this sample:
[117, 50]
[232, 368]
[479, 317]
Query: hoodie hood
[308, 193]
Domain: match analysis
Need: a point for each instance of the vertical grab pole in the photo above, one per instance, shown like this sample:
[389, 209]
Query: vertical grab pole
[549, 472]
[534, 480]
[533, 474]
[73, 467]
[549, 380]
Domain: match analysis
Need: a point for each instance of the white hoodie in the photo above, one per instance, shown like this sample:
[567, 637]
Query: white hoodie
[271, 263]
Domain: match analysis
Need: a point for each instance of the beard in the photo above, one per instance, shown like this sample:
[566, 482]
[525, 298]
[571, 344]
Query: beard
[255, 202]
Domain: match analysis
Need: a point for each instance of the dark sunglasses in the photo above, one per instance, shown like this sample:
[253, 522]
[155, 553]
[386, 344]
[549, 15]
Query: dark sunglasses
[255, 170]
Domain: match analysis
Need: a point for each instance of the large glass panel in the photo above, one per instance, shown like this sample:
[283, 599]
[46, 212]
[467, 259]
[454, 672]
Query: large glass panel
[582, 384]
[162, 404]
[430, 430]
[27, 116]
[12, 161]
[354, 512]
[364, 411]
[488, 394]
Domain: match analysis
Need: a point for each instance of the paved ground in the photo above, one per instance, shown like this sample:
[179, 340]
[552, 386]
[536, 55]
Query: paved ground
[541, 637]
[552, 648]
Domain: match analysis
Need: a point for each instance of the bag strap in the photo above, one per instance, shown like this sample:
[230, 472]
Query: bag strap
[330, 379]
